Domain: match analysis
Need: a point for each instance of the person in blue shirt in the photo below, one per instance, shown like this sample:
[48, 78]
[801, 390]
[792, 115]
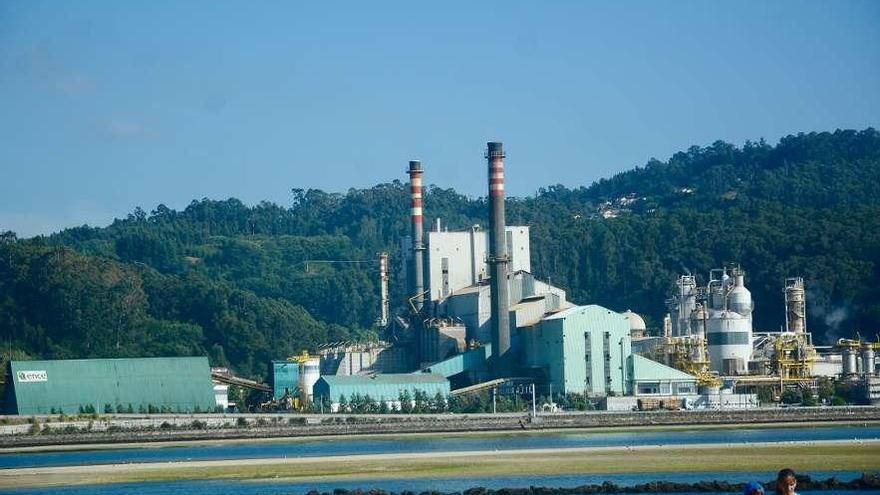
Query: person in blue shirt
[753, 488]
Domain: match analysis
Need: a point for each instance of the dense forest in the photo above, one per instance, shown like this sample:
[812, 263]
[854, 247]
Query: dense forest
[248, 284]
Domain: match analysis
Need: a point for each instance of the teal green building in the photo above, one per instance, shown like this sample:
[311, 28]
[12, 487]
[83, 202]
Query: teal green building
[173, 384]
[587, 350]
[584, 350]
[382, 388]
[653, 378]
[285, 378]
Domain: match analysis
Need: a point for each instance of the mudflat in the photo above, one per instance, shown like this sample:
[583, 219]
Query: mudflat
[851, 455]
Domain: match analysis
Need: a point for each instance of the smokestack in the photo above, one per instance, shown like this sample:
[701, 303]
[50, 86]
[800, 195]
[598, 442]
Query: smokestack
[384, 309]
[795, 306]
[498, 260]
[415, 182]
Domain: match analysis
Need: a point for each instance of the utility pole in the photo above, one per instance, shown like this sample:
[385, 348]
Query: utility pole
[494, 410]
[534, 409]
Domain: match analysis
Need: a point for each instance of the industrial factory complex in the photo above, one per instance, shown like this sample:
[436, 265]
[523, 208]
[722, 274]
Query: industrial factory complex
[476, 319]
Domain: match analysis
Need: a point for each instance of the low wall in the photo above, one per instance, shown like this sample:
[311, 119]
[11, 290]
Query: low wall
[142, 428]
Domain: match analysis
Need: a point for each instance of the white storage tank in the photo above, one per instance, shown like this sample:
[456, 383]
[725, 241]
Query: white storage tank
[698, 322]
[309, 373]
[729, 335]
[867, 358]
[740, 299]
[850, 359]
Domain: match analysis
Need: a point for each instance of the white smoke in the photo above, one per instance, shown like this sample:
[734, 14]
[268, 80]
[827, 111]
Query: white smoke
[834, 319]
[821, 309]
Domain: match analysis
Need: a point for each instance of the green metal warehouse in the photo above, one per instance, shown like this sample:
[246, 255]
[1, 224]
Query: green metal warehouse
[285, 378]
[176, 384]
[382, 388]
[587, 350]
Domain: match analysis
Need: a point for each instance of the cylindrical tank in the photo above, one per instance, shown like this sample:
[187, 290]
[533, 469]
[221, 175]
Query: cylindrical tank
[667, 326]
[687, 287]
[637, 326]
[716, 298]
[849, 361]
[698, 322]
[795, 305]
[867, 359]
[739, 298]
[309, 372]
[729, 335]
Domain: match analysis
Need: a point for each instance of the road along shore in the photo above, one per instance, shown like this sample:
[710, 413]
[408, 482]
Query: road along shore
[195, 427]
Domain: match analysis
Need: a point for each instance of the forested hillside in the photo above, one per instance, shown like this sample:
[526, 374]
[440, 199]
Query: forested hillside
[242, 285]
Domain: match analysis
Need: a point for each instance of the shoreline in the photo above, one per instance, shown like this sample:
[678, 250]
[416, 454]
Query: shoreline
[159, 444]
[196, 428]
[849, 455]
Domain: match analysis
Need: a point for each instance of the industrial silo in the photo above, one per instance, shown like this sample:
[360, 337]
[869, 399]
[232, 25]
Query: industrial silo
[868, 360]
[795, 305]
[730, 342]
[309, 372]
[684, 303]
[698, 321]
[739, 299]
[849, 350]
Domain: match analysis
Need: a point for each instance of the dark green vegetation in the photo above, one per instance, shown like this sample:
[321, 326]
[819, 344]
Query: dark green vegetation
[234, 282]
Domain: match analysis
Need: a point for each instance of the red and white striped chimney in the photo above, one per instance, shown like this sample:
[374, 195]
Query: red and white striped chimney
[415, 182]
[498, 262]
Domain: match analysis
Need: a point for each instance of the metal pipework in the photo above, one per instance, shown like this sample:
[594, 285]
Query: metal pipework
[415, 182]
[498, 259]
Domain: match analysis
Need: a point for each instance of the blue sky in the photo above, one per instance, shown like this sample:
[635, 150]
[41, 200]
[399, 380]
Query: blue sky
[105, 106]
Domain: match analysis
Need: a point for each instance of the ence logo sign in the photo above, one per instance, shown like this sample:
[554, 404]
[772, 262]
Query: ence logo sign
[32, 376]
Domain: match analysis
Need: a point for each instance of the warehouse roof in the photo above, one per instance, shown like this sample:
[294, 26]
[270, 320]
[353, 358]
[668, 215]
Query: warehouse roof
[645, 369]
[580, 309]
[407, 378]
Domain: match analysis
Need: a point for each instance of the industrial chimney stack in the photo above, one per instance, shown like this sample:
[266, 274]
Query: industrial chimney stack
[498, 260]
[415, 182]
[384, 302]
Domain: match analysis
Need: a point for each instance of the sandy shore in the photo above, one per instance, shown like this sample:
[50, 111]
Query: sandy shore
[817, 455]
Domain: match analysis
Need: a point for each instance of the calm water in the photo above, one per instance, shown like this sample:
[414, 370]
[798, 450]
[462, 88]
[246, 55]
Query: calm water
[379, 445]
[418, 485]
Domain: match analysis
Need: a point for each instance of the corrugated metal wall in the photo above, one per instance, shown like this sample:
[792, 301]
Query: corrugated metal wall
[382, 387]
[285, 378]
[181, 384]
[561, 346]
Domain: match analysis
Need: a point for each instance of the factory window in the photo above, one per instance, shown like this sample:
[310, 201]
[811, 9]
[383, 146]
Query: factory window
[606, 349]
[685, 388]
[648, 388]
[588, 347]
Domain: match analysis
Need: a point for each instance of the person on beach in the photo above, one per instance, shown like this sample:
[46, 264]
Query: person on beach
[753, 488]
[786, 482]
